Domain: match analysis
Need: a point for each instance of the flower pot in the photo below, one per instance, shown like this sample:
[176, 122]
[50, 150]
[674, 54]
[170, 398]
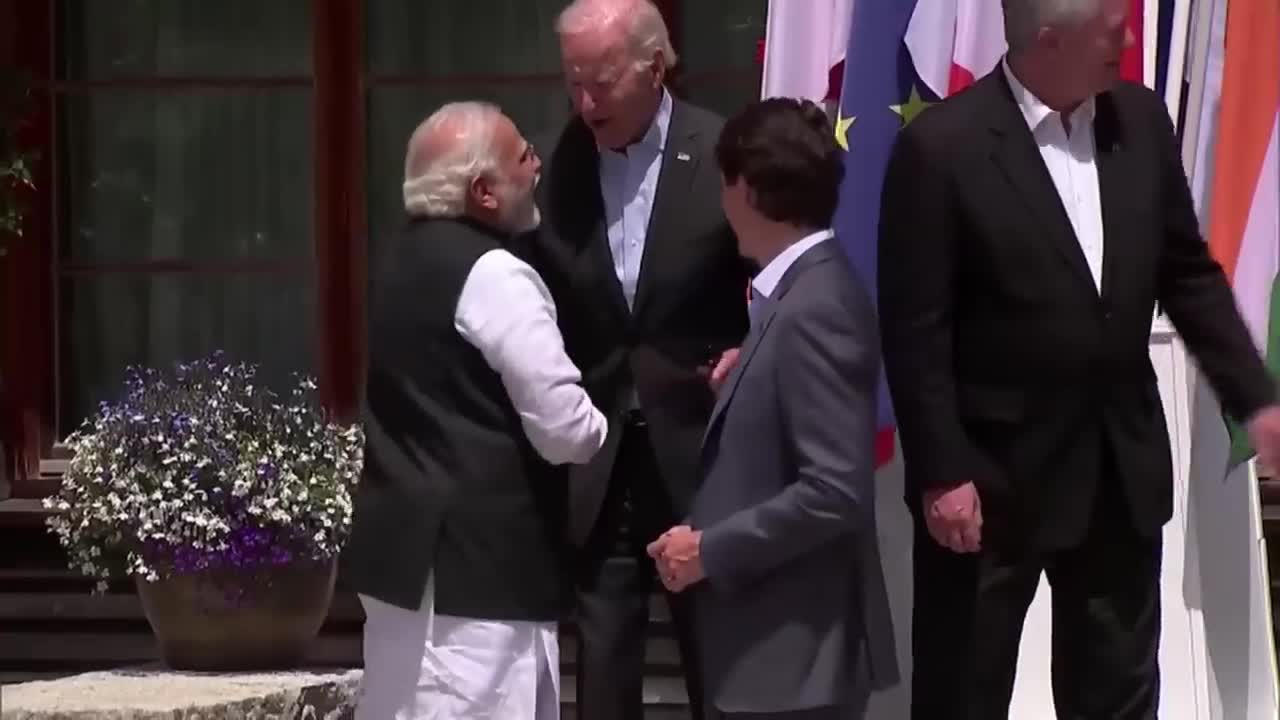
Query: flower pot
[228, 621]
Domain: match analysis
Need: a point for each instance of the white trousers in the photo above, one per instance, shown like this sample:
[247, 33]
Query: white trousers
[423, 666]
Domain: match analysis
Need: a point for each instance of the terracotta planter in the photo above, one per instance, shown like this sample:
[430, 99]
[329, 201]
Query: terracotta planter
[228, 622]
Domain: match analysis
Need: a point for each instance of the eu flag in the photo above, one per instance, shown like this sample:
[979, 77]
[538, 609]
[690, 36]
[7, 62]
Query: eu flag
[881, 93]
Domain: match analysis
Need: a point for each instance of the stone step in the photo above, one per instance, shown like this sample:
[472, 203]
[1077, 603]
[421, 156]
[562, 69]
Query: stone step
[77, 603]
[149, 693]
[84, 631]
[651, 712]
[53, 649]
[658, 692]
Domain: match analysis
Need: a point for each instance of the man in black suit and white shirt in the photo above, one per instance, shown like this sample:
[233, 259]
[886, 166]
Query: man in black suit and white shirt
[652, 299]
[1029, 226]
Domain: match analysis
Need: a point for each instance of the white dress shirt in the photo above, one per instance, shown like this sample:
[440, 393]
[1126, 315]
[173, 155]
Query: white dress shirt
[506, 312]
[628, 182]
[1071, 160]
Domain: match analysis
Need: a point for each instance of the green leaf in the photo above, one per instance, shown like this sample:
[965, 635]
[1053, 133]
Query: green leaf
[1241, 449]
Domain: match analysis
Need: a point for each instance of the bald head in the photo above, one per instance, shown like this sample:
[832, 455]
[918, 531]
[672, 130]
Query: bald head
[469, 159]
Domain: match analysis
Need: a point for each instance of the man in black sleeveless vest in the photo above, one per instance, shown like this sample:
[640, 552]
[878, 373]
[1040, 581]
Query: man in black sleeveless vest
[652, 296]
[458, 545]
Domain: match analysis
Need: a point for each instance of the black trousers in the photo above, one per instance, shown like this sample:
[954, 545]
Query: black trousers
[615, 581]
[826, 713]
[969, 611]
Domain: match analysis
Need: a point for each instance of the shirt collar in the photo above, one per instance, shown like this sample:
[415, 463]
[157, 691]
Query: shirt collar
[1036, 112]
[655, 138]
[767, 280]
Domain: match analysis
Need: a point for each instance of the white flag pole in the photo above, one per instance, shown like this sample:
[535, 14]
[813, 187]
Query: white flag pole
[1201, 38]
[1175, 73]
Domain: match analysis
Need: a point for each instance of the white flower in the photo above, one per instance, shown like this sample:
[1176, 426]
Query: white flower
[140, 477]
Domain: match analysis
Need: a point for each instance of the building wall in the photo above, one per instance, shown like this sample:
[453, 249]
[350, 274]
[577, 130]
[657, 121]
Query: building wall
[216, 176]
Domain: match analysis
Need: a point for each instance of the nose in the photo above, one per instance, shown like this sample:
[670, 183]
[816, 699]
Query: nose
[537, 162]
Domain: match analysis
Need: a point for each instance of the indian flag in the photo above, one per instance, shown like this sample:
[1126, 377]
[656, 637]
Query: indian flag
[1244, 200]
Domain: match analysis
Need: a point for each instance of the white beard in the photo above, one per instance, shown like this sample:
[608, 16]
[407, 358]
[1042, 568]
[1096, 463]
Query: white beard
[522, 214]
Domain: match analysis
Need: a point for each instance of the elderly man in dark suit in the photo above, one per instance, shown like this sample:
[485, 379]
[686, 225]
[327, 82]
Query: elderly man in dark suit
[781, 547]
[651, 294]
[1029, 227]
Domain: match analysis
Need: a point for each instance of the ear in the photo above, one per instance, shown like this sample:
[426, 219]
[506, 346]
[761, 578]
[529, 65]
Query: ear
[659, 67]
[481, 192]
[753, 199]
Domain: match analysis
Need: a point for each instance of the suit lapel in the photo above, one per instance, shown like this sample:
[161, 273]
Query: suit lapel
[1018, 157]
[749, 347]
[813, 256]
[680, 161]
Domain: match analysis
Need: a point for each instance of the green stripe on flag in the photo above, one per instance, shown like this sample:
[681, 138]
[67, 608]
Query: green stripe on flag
[1241, 449]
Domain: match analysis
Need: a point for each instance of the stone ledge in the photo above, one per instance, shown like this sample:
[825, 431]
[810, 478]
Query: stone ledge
[156, 694]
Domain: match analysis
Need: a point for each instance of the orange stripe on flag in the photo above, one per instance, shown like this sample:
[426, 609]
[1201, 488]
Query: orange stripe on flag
[1250, 100]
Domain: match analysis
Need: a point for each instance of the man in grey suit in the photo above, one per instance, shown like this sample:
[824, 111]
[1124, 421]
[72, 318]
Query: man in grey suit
[780, 549]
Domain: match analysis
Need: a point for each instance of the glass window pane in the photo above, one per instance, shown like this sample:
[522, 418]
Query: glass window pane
[725, 95]
[174, 38]
[720, 35]
[463, 37]
[536, 108]
[112, 321]
[216, 175]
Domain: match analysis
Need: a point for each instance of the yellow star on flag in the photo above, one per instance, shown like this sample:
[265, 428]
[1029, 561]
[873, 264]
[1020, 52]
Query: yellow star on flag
[842, 130]
[912, 107]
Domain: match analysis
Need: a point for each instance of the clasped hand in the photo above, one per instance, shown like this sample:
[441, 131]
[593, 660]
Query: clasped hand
[676, 555]
[954, 517]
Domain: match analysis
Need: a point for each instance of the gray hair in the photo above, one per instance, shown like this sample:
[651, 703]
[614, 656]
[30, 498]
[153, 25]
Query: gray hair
[645, 28]
[1023, 19]
[449, 150]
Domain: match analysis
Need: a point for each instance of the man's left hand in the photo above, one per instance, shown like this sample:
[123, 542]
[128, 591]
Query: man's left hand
[677, 557]
[722, 367]
[1264, 433]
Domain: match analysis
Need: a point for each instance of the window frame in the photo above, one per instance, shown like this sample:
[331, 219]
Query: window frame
[32, 269]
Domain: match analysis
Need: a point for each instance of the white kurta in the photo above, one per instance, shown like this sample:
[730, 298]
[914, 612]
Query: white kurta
[422, 666]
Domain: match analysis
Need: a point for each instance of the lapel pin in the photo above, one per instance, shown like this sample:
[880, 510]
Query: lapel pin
[684, 156]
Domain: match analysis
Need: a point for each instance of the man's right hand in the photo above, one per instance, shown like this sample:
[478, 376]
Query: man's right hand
[954, 517]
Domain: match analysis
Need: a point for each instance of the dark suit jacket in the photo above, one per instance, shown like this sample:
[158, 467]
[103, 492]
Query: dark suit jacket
[690, 298]
[1006, 365]
[794, 613]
